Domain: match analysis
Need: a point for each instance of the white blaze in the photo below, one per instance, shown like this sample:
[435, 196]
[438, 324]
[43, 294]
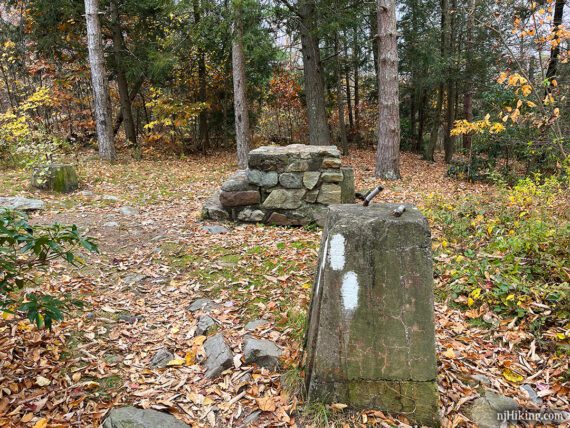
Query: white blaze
[349, 291]
[336, 252]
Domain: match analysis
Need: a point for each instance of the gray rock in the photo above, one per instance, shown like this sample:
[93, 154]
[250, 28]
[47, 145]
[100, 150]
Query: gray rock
[131, 417]
[288, 199]
[161, 358]
[298, 166]
[291, 180]
[111, 224]
[133, 278]
[213, 209]
[205, 323]
[21, 204]
[484, 410]
[262, 352]
[333, 163]
[203, 304]
[481, 379]
[332, 176]
[329, 194]
[251, 215]
[238, 182]
[219, 356]
[250, 419]
[532, 395]
[237, 199]
[311, 178]
[215, 229]
[347, 186]
[86, 193]
[253, 325]
[130, 319]
[129, 211]
[110, 198]
[262, 178]
[311, 196]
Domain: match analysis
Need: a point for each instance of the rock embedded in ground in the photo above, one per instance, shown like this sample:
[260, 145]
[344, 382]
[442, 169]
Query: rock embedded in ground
[86, 193]
[131, 417]
[262, 178]
[133, 278]
[130, 319]
[129, 211]
[60, 178]
[278, 219]
[219, 356]
[253, 325]
[484, 410]
[21, 204]
[205, 324]
[481, 379]
[111, 224]
[202, 304]
[110, 198]
[214, 210]
[238, 199]
[215, 229]
[532, 395]
[161, 358]
[262, 352]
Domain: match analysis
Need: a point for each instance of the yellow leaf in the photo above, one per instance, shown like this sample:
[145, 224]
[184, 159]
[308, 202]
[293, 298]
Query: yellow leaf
[450, 353]
[199, 340]
[339, 406]
[490, 229]
[444, 244]
[510, 297]
[190, 359]
[512, 376]
[476, 293]
[561, 336]
[266, 404]
[530, 104]
[470, 301]
[526, 90]
[42, 423]
[42, 381]
[176, 362]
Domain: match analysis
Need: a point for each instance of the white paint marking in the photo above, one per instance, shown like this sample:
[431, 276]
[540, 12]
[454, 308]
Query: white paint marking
[336, 252]
[349, 291]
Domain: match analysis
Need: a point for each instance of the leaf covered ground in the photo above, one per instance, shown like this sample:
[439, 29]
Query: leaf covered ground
[157, 261]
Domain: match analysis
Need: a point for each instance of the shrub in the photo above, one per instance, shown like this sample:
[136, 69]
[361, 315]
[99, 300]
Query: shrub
[24, 251]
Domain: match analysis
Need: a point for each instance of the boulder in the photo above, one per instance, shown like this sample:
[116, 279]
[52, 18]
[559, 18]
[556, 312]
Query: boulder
[287, 199]
[205, 323]
[215, 229]
[219, 356]
[21, 204]
[202, 304]
[310, 179]
[329, 194]
[262, 352]
[278, 219]
[161, 358]
[131, 417]
[238, 182]
[213, 209]
[253, 325]
[291, 180]
[237, 199]
[484, 411]
[262, 178]
[60, 178]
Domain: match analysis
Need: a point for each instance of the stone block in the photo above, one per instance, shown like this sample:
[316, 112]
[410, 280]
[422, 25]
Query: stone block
[213, 209]
[287, 199]
[329, 194]
[332, 176]
[251, 215]
[278, 158]
[311, 178]
[237, 199]
[371, 340]
[291, 180]
[298, 166]
[333, 163]
[262, 178]
[278, 219]
[60, 178]
[238, 182]
[347, 186]
[311, 196]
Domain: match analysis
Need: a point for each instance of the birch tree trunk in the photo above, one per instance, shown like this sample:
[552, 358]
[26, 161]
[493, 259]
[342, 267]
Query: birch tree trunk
[240, 98]
[319, 133]
[102, 105]
[388, 154]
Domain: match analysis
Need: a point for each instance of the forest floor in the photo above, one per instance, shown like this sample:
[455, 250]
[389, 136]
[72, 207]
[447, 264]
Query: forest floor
[154, 263]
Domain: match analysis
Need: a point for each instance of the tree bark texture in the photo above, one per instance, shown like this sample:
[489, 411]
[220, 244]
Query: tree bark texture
[240, 98]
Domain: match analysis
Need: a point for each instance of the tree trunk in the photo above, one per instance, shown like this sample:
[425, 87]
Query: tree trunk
[122, 84]
[339, 98]
[319, 133]
[356, 65]
[468, 95]
[374, 37]
[132, 95]
[240, 98]
[555, 50]
[388, 154]
[203, 129]
[421, 120]
[448, 139]
[100, 83]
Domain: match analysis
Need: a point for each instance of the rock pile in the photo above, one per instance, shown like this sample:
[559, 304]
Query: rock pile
[286, 186]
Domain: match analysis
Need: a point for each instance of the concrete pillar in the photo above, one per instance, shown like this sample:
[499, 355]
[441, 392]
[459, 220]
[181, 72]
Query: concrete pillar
[371, 340]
